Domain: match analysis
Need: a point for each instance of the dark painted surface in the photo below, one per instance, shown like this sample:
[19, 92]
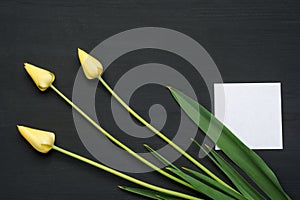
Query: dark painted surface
[253, 41]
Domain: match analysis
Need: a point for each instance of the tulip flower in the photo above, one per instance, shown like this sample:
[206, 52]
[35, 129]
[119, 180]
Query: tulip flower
[41, 77]
[43, 141]
[92, 67]
[214, 188]
[43, 81]
[90, 64]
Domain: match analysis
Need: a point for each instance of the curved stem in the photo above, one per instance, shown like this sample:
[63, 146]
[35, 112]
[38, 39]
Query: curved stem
[124, 176]
[161, 135]
[120, 144]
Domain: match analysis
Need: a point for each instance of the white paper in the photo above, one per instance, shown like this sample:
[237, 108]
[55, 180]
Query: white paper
[252, 111]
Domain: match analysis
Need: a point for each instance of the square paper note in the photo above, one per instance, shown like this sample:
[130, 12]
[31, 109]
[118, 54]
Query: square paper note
[252, 111]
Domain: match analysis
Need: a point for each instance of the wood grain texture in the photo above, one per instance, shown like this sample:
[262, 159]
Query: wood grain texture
[254, 41]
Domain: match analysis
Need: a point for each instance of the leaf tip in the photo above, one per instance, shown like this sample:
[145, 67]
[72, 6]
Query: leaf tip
[169, 168]
[148, 148]
[184, 168]
[146, 145]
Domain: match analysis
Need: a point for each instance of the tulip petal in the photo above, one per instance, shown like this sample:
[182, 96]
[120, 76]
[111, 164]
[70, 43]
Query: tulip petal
[42, 141]
[41, 77]
[92, 68]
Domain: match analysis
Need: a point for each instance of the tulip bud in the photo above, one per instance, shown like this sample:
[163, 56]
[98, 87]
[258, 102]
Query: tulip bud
[92, 68]
[41, 77]
[42, 141]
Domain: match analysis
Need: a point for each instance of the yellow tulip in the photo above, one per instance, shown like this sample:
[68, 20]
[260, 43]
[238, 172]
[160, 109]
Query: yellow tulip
[89, 66]
[42, 141]
[41, 77]
[92, 68]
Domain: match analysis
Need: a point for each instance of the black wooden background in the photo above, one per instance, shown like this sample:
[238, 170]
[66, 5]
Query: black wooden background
[253, 41]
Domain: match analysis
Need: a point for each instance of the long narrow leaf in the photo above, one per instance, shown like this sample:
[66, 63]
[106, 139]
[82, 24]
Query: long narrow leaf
[238, 180]
[237, 151]
[202, 187]
[148, 193]
[204, 177]
[143, 192]
[160, 157]
[216, 184]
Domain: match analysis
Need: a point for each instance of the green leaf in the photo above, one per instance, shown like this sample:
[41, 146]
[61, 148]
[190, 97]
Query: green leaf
[202, 187]
[160, 157]
[244, 187]
[216, 184]
[237, 151]
[177, 170]
[203, 177]
[148, 193]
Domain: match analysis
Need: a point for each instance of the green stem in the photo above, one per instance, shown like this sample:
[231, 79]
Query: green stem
[124, 176]
[120, 144]
[161, 135]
